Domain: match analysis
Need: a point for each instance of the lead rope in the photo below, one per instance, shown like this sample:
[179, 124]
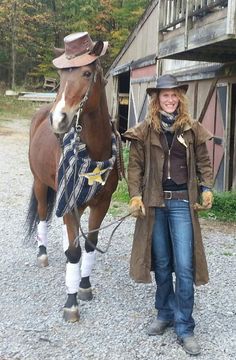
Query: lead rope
[120, 159]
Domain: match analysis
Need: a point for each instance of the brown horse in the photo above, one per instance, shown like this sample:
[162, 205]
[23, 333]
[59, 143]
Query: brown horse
[80, 103]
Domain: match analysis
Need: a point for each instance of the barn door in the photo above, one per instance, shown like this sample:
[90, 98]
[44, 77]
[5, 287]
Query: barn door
[215, 120]
[141, 78]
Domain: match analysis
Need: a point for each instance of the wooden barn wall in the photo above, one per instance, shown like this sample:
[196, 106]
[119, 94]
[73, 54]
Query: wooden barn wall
[144, 42]
[141, 79]
[142, 45]
[203, 88]
[191, 98]
[181, 67]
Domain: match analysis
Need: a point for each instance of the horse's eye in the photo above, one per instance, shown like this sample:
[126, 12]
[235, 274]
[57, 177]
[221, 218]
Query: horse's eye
[87, 74]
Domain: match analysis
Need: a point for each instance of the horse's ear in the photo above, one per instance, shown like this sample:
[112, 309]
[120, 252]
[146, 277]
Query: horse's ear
[58, 51]
[98, 48]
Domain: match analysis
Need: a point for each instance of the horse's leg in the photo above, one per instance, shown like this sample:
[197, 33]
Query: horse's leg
[72, 251]
[40, 191]
[96, 217]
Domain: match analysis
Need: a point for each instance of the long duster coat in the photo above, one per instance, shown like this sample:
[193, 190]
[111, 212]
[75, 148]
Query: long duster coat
[145, 172]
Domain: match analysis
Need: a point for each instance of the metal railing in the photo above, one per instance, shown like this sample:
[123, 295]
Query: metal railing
[172, 13]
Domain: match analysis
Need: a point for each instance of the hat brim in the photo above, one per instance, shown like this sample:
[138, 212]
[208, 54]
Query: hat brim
[150, 91]
[62, 62]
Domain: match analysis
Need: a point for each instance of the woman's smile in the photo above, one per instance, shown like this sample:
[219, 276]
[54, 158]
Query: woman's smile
[168, 99]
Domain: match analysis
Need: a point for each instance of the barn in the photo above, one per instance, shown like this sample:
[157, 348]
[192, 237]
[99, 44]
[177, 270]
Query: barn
[195, 40]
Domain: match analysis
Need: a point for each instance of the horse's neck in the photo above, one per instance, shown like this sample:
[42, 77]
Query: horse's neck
[97, 131]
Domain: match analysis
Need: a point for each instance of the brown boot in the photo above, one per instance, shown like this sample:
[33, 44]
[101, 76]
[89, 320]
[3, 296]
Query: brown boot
[158, 327]
[190, 345]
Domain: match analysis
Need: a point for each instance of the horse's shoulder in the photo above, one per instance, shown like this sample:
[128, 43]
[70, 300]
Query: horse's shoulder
[42, 112]
[39, 117]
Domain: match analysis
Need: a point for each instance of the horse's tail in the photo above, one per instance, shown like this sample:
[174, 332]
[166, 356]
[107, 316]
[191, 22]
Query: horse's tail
[32, 217]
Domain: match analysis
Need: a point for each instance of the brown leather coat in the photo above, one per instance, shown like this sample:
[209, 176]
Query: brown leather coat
[145, 178]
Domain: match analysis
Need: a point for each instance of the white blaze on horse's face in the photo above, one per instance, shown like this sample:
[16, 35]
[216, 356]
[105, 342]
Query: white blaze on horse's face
[74, 85]
[58, 113]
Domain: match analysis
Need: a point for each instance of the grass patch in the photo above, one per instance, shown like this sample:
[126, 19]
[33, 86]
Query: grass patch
[12, 108]
[120, 198]
[223, 209]
[121, 194]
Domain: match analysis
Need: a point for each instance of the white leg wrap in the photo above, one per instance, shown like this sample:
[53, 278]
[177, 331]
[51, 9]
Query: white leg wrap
[88, 261]
[65, 237]
[72, 277]
[42, 233]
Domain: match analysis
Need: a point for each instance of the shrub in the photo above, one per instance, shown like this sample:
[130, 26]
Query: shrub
[224, 207]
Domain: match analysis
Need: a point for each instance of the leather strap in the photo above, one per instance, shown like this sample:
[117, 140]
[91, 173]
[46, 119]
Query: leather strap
[176, 195]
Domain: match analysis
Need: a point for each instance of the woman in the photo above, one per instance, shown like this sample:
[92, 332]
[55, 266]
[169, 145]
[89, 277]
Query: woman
[168, 168]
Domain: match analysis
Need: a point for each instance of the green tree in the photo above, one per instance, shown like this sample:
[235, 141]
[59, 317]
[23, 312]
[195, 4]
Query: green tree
[29, 30]
[24, 34]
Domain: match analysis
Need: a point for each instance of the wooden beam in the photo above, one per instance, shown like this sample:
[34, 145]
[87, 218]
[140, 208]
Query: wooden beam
[227, 137]
[208, 99]
[231, 17]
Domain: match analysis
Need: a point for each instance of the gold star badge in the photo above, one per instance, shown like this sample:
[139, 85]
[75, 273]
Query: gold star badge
[95, 176]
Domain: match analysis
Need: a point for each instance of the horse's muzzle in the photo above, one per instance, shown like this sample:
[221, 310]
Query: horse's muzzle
[59, 123]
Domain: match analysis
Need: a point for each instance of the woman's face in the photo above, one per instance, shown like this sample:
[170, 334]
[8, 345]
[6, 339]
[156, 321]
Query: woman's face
[168, 100]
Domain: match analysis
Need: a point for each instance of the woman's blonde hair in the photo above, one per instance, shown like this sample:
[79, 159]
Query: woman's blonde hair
[183, 118]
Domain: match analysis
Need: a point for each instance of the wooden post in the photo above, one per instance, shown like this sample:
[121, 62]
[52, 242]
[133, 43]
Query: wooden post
[234, 159]
[231, 17]
[227, 137]
[159, 17]
[13, 45]
[115, 101]
[186, 25]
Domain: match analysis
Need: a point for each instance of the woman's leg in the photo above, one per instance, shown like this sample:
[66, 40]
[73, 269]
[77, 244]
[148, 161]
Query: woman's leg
[162, 258]
[181, 232]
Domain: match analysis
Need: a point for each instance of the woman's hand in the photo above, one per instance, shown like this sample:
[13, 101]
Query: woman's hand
[136, 206]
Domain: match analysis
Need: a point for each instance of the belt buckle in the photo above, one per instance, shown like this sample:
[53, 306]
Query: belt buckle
[168, 195]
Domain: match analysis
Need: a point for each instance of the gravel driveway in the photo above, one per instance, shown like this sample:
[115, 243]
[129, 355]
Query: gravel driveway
[113, 325]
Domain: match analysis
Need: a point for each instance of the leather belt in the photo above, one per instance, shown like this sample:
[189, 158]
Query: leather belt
[176, 195]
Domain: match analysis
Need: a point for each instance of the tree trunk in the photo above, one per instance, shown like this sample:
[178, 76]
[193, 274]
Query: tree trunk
[13, 47]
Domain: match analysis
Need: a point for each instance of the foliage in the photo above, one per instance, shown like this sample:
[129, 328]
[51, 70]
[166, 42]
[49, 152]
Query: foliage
[29, 30]
[25, 32]
[121, 194]
[224, 207]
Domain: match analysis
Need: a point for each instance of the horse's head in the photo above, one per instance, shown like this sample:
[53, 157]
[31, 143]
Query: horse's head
[81, 81]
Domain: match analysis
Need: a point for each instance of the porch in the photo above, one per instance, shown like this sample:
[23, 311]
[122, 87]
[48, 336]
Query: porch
[197, 30]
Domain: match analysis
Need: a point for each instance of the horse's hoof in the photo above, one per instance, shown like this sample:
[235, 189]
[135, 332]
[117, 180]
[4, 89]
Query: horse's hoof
[42, 260]
[71, 314]
[85, 294]
[42, 256]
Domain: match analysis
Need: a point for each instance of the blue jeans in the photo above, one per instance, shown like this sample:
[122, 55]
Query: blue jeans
[172, 250]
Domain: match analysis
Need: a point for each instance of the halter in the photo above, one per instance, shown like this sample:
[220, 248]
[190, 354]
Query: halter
[78, 127]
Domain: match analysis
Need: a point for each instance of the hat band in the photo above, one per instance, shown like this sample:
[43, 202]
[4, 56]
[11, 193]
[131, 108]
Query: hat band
[86, 51]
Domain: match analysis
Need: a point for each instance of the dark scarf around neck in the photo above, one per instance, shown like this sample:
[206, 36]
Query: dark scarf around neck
[167, 120]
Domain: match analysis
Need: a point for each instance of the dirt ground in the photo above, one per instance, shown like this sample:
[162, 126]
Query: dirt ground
[112, 326]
